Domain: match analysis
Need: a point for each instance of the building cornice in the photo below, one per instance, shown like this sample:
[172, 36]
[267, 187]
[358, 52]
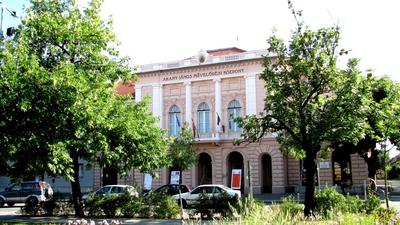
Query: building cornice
[192, 64]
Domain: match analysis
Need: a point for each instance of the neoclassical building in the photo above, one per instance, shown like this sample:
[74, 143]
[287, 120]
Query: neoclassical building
[208, 91]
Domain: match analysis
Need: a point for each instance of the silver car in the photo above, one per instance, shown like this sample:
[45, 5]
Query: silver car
[211, 190]
[116, 189]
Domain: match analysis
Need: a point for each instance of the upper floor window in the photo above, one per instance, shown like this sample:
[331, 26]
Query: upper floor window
[203, 118]
[174, 117]
[233, 112]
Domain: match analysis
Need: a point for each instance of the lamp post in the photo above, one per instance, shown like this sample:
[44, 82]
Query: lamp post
[12, 13]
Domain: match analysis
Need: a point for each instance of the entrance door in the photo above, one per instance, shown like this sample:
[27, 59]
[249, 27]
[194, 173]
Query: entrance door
[110, 176]
[235, 161]
[266, 173]
[204, 169]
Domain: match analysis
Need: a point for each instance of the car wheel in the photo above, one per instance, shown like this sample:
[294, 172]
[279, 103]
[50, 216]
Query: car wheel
[10, 203]
[32, 201]
[2, 202]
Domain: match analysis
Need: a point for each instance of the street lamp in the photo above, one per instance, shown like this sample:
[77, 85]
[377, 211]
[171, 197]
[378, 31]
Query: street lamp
[10, 30]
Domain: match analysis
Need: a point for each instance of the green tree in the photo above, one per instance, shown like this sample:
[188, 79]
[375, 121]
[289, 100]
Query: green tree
[58, 101]
[381, 111]
[181, 151]
[309, 100]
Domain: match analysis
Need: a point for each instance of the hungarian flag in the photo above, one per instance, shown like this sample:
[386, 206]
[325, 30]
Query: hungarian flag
[193, 128]
[218, 119]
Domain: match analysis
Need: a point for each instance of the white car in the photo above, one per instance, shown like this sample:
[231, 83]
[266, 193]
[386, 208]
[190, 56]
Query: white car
[113, 189]
[211, 190]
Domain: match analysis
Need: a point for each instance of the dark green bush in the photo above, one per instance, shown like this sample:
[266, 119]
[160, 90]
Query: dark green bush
[223, 204]
[50, 207]
[133, 207]
[166, 208]
[93, 205]
[32, 210]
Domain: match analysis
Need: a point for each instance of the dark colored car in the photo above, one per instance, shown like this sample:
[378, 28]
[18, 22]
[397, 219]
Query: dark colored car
[31, 192]
[170, 189]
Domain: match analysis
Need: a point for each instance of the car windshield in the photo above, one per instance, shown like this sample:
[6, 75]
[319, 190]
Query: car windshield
[103, 190]
[117, 189]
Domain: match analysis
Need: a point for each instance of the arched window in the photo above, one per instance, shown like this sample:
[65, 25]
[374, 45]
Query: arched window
[233, 112]
[203, 118]
[174, 116]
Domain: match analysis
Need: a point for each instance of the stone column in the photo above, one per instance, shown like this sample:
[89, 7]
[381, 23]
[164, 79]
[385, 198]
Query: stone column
[218, 106]
[138, 92]
[157, 102]
[188, 102]
[250, 94]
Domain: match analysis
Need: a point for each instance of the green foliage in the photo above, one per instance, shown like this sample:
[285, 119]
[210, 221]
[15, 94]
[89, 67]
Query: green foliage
[309, 99]
[166, 208]
[132, 208]
[247, 205]
[58, 101]
[291, 206]
[154, 205]
[372, 204]
[222, 204]
[181, 151]
[329, 202]
[354, 204]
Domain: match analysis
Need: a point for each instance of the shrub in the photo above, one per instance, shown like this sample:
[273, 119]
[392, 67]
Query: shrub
[353, 204]
[372, 204]
[291, 206]
[32, 209]
[166, 208]
[93, 205]
[133, 207]
[50, 207]
[329, 202]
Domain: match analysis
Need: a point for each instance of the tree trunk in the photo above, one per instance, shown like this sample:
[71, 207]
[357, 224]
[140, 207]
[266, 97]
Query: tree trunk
[372, 163]
[311, 169]
[76, 187]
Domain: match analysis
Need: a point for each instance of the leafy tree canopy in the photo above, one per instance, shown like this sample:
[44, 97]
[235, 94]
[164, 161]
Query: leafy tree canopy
[58, 102]
[309, 100]
[181, 151]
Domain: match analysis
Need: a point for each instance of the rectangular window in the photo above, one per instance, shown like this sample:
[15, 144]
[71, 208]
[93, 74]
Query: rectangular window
[81, 170]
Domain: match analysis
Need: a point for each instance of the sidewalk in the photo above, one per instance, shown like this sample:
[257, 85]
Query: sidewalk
[64, 220]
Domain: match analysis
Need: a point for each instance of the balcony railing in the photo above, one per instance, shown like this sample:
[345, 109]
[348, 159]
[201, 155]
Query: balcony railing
[256, 54]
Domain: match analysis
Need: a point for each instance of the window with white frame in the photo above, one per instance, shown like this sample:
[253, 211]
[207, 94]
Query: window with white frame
[174, 116]
[203, 118]
[233, 112]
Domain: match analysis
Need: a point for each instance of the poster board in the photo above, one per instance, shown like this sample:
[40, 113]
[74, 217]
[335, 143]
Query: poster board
[175, 176]
[236, 178]
[147, 181]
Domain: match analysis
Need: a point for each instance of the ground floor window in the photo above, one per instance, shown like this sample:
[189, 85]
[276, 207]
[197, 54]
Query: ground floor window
[341, 169]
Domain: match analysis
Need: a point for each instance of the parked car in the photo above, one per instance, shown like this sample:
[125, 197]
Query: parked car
[170, 189]
[31, 192]
[116, 189]
[211, 190]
